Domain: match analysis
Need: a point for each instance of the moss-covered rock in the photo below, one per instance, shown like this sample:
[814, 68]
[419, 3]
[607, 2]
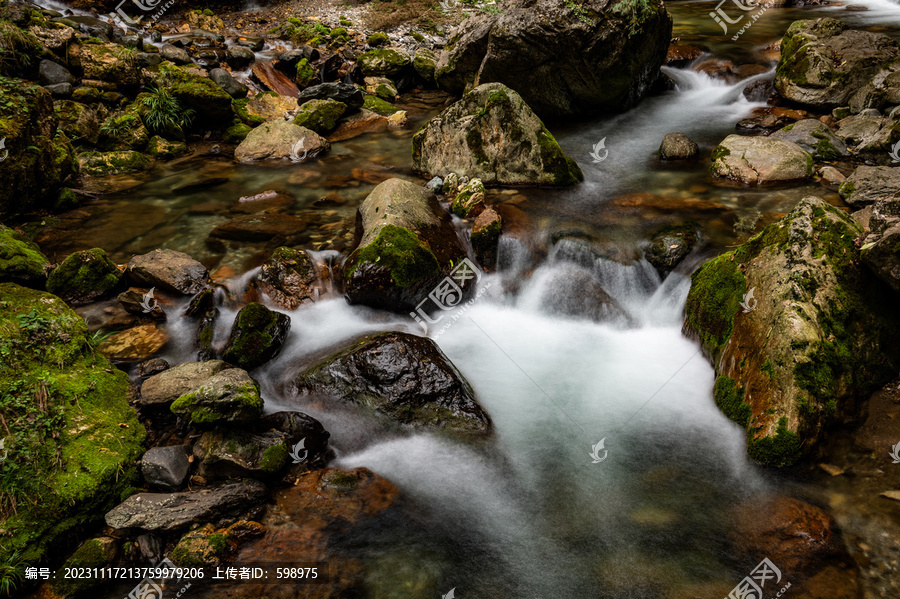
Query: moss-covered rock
[378, 39]
[384, 62]
[107, 62]
[78, 121]
[379, 106]
[381, 87]
[159, 147]
[93, 553]
[39, 158]
[493, 135]
[305, 73]
[230, 396]
[84, 276]
[73, 438]
[211, 104]
[469, 200]
[101, 164]
[815, 137]
[229, 453]
[320, 116]
[124, 132]
[425, 63]
[486, 236]
[236, 133]
[256, 336]
[200, 548]
[21, 261]
[799, 332]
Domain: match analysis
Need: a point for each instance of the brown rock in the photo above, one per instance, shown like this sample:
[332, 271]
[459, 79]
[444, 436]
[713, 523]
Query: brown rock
[364, 121]
[274, 79]
[279, 228]
[134, 344]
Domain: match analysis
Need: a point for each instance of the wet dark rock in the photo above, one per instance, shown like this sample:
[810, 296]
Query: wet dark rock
[486, 237]
[152, 367]
[253, 43]
[239, 58]
[167, 386]
[281, 229]
[166, 467]
[50, 73]
[170, 270]
[670, 246]
[84, 277]
[346, 93]
[225, 454]
[677, 146]
[232, 86]
[679, 56]
[167, 512]
[880, 249]
[174, 54]
[296, 427]
[229, 397]
[403, 377]
[288, 278]
[256, 336]
[570, 290]
[759, 91]
[60, 90]
[136, 301]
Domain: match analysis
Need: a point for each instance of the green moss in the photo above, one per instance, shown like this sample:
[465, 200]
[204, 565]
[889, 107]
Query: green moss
[84, 275]
[320, 116]
[563, 169]
[781, 450]
[768, 369]
[717, 289]
[273, 458]
[401, 252]
[218, 542]
[305, 73]
[720, 152]
[341, 479]
[20, 261]
[239, 107]
[236, 133]
[806, 408]
[476, 145]
[89, 555]
[730, 399]
[379, 106]
[377, 39]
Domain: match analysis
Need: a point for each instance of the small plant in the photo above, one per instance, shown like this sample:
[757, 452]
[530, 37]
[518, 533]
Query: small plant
[636, 12]
[163, 112]
[579, 11]
[11, 574]
[117, 126]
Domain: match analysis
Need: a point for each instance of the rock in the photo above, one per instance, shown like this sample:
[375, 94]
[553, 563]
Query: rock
[838, 334]
[540, 49]
[239, 58]
[232, 86]
[403, 377]
[760, 160]
[160, 148]
[678, 56]
[407, 245]
[759, 91]
[84, 277]
[169, 385]
[824, 63]
[856, 129]
[166, 467]
[296, 427]
[124, 132]
[77, 121]
[278, 139]
[53, 39]
[31, 179]
[236, 454]
[288, 278]
[670, 246]
[273, 79]
[486, 237]
[572, 291]
[379, 106]
[677, 146]
[256, 336]
[320, 116]
[268, 201]
[831, 178]
[108, 62]
[268, 106]
[345, 93]
[254, 43]
[200, 548]
[93, 553]
[103, 164]
[21, 261]
[167, 512]
[152, 367]
[135, 344]
[815, 137]
[170, 270]
[469, 200]
[381, 87]
[869, 184]
[364, 121]
[274, 229]
[94, 431]
[174, 54]
[384, 62]
[425, 64]
[50, 73]
[493, 135]
[211, 104]
[880, 249]
[230, 396]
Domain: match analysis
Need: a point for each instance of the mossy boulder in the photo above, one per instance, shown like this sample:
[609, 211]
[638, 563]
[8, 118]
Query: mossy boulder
[381, 87]
[256, 336]
[407, 244]
[158, 147]
[211, 104]
[107, 62]
[200, 548]
[39, 159]
[21, 261]
[236, 133]
[73, 437]
[402, 377]
[124, 132]
[798, 330]
[223, 454]
[425, 63]
[84, 277]
[320, 116]
[870, 184]
[824, 64]
[229, 396]
[93, 553]
[815, 137]
[493, 135]
[760, 160]
[379, 106]
[378, 39]
[78, 121]
[384, 62]
[288, 278]
[486, 236]
[102, 164]
[469, 200]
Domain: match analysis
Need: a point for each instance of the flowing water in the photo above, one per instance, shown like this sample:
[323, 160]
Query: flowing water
[529, 514]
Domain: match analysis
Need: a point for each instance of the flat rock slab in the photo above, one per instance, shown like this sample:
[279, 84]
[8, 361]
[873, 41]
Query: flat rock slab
[169, 385]
[169, 270]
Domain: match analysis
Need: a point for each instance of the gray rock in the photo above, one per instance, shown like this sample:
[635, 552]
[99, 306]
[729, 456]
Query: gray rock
[855, 129]
[677, 146]
[232, 86]
[830, 177]
[239, 58]
[230, 396]
[174, 54]
[572, 291]
[279, 139]
[167, 386]
[50, 73]
[168, 512]
[436, 185]
[60, 90]
[760, 160]
[869, 184]
[347, 93]
[815, 137]
[169, 270]
[166, 467]
[881, 248]
[230, 454]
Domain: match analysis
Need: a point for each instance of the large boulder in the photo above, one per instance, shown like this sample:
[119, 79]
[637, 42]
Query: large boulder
[880, 249]
[230, 396]
[84, 277]
[815, 137]
[170, 270]
[211, 105]
[407, 244]
[566, 59]
[401, 376]
[384, 62]
[493, 135]
[72, 438]
[169, 385]
[107, 62]
[256, 336]
[824, 65]
[237, 453]
[279, 139]
[345, 93]
[869, 184]
[797, 329]
[20, 260]
[38, 158]
[760, 160]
